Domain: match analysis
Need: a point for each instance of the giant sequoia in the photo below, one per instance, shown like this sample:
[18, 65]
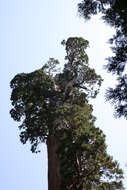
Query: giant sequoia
[52, 107]
[114, 12]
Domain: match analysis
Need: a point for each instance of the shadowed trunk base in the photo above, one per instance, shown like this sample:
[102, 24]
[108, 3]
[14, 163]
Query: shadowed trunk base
[53, 165]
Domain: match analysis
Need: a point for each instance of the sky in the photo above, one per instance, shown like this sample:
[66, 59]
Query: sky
[30, 33]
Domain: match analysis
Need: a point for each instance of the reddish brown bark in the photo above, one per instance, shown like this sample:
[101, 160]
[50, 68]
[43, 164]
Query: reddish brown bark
[83, 187]
[53, 165]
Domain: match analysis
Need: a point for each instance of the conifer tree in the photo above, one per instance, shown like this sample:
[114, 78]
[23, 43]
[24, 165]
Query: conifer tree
[114, 12]
[53, 108]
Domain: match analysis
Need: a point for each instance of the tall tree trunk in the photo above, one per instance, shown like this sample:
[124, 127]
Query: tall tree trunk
[53, 164]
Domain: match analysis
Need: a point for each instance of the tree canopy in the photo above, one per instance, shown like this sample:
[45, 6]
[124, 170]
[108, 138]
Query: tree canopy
[114, 12]
[50, 103]
[36, 96]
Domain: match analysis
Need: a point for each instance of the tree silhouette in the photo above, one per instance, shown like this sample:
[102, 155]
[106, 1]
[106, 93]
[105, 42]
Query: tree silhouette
[114, 12]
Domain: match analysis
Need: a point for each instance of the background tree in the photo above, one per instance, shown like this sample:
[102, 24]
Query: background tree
[85, 161]
[52, 107]
[114, 12]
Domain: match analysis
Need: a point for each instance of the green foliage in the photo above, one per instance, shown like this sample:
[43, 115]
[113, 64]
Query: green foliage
[77, 75]
[51, 103]
[85, 159]
[31, 100]
[114, 12]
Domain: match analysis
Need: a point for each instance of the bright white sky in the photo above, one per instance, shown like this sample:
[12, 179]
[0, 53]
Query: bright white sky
[31, 32]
